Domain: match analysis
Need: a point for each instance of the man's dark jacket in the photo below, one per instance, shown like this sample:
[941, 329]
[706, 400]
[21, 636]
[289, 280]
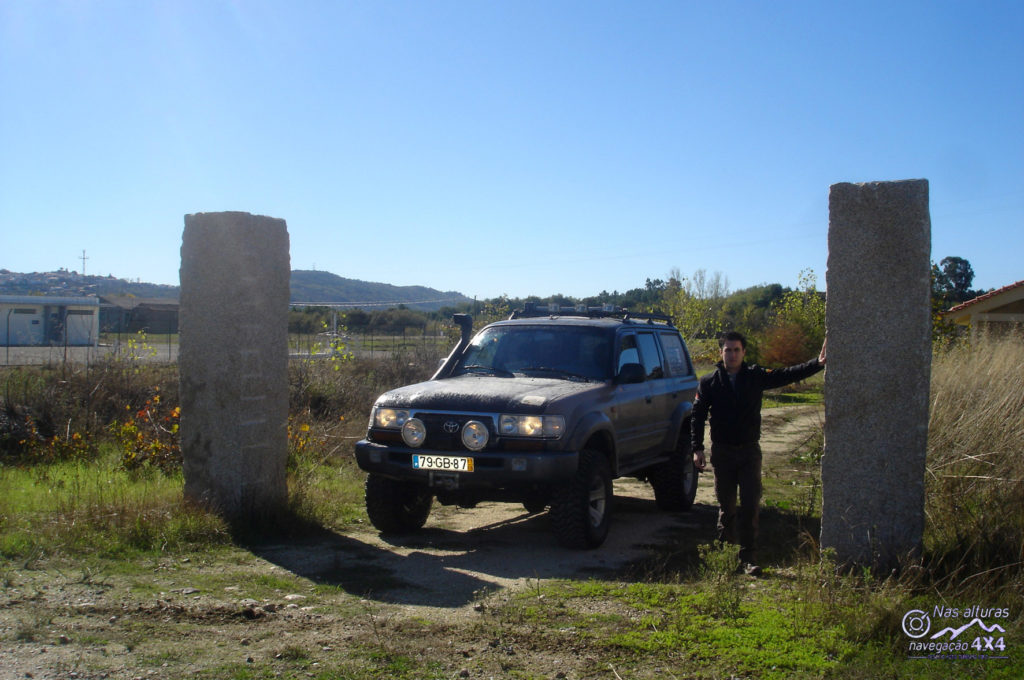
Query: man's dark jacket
[736, 413]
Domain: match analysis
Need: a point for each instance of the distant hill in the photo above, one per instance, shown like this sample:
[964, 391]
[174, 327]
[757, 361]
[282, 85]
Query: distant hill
[72, 284]
[316, 286]
[306, 286]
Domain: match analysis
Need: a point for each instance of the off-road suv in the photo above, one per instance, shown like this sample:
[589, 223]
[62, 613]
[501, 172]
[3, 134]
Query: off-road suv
[543, 409]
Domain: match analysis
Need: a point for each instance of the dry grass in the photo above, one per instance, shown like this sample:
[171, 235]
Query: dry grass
[975, 468]
[326, 390]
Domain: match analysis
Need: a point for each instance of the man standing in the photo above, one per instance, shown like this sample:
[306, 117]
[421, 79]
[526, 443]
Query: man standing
[732, 395]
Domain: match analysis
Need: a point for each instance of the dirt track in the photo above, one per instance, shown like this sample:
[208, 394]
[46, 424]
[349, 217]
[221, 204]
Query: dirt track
[460, 553]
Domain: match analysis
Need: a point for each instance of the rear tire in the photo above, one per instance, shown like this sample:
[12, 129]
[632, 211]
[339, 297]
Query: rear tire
[675, 480]
[581, 510]
[396, 507]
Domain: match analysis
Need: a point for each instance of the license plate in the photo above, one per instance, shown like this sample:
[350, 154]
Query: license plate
[446, 463]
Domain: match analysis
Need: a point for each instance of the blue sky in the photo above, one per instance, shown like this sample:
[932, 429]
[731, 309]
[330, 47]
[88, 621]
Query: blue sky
[515, 147]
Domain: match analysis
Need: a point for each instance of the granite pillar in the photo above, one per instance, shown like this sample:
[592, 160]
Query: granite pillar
[878, 325]
[233, 359]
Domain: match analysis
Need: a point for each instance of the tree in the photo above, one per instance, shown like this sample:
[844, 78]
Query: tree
[357, 318]
[695, 304]
[952, 280]
[951, 285]
[797, 328]
[749, 310]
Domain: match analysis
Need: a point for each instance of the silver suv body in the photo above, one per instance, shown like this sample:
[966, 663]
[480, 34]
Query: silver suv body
[543, 409]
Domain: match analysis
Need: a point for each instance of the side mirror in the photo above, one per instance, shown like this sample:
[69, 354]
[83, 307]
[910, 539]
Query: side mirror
[631, 373]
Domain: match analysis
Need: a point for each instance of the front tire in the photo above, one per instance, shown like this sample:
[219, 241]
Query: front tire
[581, 510]
[675, 481]
[534, 507]
[396, 507]
[535, 503]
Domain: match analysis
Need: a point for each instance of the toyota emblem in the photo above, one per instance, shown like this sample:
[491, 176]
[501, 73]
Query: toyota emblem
[451, 427]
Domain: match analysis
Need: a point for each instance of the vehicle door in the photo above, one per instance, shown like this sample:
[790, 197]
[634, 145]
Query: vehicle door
[680, 381]
[633, 408]
[630, 403]
[658, 419]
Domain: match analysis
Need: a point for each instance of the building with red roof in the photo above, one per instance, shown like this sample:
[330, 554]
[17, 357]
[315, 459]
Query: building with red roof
[998, 310]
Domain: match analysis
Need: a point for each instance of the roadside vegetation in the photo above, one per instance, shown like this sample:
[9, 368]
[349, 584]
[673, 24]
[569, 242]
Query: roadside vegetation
[90, 499]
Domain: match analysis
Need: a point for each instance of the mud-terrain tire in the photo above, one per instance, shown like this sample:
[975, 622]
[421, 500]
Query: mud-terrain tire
[675, 481]
[581, 510]
[396, 507]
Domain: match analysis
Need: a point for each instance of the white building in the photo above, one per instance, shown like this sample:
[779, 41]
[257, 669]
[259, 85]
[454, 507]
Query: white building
[34, 320]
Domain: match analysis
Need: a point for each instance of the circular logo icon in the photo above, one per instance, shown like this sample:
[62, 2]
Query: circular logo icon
[451, 426]
[916, 623]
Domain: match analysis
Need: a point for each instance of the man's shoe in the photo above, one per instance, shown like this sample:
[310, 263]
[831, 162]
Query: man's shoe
[751, 569]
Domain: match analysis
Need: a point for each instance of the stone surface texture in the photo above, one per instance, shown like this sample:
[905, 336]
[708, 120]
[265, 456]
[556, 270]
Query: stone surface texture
[878, 325]
[233, 361]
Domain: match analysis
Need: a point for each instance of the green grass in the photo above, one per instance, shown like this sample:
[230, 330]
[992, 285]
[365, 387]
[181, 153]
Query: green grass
[804, 622]
[808, 397]
[810, 391]
[97, 507]
[326, 489]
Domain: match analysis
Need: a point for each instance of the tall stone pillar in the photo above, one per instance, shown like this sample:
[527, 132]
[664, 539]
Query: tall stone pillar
[878, 324]
[233, 360]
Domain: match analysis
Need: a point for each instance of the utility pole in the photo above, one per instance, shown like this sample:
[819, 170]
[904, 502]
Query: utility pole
[83, 259]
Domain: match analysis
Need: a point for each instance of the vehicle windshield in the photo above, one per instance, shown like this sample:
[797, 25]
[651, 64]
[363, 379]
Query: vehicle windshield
[568, 352]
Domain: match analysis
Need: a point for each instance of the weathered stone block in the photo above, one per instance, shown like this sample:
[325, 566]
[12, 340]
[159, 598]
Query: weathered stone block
[878, 325]
[233, 360]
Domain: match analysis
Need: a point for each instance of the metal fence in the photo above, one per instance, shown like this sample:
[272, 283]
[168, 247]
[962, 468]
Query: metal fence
[163, 347]
[153, 349]
[371, 343]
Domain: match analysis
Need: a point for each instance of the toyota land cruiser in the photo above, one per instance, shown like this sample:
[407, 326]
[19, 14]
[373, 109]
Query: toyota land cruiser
[545, 409]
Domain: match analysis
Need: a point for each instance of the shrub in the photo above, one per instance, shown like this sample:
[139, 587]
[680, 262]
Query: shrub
[50, 404]
[149, 436]
[797, 327]
[786, 345]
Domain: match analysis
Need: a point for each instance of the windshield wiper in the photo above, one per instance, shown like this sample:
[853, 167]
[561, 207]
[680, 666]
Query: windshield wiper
[558, 371]
[480, 368]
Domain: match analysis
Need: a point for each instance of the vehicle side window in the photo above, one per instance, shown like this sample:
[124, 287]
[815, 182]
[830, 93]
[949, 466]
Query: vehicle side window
[628, 353]
[675, 354]
[651, 357]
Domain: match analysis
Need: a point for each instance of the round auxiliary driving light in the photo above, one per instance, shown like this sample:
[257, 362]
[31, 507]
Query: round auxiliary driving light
[474, 435]
[414, 432]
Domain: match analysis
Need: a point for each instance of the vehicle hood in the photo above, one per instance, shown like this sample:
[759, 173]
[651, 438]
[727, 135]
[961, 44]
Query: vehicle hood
[471, 393]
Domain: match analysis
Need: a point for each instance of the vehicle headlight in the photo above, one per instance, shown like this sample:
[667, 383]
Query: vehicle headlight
[531, 426]
[390, 418]
[414, 432]
[474, 435]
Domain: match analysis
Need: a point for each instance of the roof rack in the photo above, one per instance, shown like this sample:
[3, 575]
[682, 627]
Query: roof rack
[532, 310]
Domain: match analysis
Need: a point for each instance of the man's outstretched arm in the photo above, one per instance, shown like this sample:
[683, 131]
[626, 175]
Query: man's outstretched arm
[791, 374]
